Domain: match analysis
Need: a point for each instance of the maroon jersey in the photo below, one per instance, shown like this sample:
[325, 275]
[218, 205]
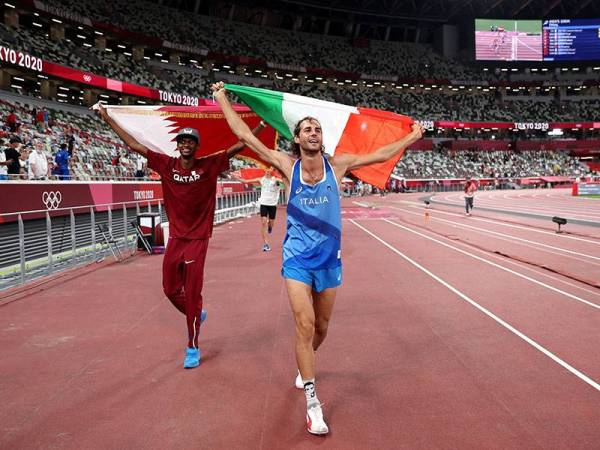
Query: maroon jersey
[189, 194]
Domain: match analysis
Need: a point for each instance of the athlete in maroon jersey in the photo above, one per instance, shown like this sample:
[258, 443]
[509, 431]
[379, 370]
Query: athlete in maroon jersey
[189, 189]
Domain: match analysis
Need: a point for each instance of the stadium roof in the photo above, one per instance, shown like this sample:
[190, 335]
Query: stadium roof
[419, 10]
[449, 10]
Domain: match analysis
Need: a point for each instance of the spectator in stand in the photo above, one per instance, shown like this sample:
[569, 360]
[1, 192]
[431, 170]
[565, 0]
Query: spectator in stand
[38, 162]
[46, 118]
[62, 163]
[39, 120]
[3, 164]
[13, 157]
[11, 122]
[128, 166]
[24, 161]
[116, 159]
[140, 167]
[71, 144]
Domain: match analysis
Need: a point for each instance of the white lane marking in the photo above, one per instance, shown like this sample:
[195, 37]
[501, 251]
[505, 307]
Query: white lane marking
[509, 237]
[521, 265]
[547, 286]
[487, 312]
[552, 207]
[511, 241]
[524, 266]
[544, 204]
[504, 224]
[534, 211]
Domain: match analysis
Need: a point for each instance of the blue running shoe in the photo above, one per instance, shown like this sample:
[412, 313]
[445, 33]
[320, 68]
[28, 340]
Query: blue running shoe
[192, 358]
[202, 316]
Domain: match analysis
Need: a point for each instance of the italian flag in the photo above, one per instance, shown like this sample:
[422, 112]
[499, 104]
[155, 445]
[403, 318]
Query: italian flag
[346, 129]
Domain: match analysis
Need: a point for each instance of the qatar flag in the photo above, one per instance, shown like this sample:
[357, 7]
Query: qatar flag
[155, 126]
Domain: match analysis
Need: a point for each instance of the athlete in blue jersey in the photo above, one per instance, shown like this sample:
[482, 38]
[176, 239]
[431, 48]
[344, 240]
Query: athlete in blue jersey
[312, 265]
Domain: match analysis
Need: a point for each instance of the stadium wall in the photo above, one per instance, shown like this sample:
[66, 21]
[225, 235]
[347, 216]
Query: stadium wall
[57, 198]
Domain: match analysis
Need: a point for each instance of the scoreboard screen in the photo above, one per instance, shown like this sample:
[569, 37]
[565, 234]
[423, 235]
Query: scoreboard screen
[571, 39]
[508, 40]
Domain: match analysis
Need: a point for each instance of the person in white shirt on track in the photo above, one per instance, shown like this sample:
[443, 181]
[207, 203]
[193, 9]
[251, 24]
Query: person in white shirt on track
[270, 187]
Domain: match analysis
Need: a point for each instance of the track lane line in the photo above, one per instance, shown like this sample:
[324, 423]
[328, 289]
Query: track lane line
[540, 283]
[531, 211]
[533, 208]
[540, 206]
[499, 222]
[520, 264]
[484, 310]
[509, 238]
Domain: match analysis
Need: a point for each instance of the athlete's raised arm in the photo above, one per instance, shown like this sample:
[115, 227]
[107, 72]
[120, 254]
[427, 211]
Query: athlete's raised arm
[346, 161]
[131, 142]
[277, 159]
[239, 146]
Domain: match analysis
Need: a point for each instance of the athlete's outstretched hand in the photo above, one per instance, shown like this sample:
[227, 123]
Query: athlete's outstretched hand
[100, 111]
[416, 133]
[218, 88]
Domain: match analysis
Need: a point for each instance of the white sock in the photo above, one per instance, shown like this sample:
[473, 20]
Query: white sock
[310, 391]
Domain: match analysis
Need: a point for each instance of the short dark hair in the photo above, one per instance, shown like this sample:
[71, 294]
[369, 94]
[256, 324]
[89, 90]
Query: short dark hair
[296, 147]
[14, 139]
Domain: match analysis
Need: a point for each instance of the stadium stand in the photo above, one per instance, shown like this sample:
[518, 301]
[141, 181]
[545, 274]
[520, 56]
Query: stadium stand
[99, 155]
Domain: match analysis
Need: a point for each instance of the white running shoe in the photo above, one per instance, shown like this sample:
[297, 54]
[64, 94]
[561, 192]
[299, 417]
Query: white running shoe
[315, 423]
[299, 383]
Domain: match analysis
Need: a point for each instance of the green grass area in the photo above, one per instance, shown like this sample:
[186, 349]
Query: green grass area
[523, 26]
[590, 195]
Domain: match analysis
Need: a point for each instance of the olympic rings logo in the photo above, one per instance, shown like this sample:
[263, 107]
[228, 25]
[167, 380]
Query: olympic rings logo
[52, 199]
[87, 78]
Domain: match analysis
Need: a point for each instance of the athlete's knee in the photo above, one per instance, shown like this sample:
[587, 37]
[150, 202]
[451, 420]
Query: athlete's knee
[305, 327]
[321, 327]
[171, 291]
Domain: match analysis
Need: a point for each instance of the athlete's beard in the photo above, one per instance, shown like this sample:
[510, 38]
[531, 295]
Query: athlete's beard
[311, 152]
[190, 156]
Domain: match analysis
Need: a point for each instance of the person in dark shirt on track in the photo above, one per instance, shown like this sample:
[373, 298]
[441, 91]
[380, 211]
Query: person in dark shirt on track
[189, 188]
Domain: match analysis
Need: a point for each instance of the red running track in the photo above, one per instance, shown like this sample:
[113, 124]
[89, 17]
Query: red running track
[522, 236]
[435, 343]
[516, 46]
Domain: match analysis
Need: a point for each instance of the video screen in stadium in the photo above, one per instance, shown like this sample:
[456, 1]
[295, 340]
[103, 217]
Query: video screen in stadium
[508, 40]
[571, 39]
